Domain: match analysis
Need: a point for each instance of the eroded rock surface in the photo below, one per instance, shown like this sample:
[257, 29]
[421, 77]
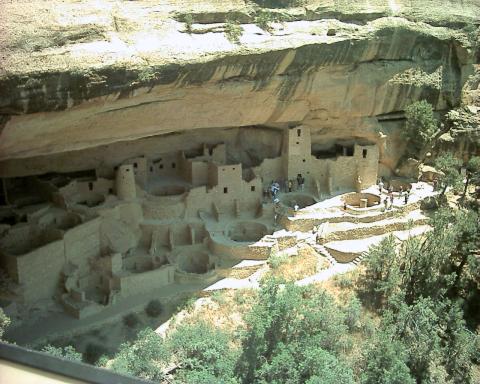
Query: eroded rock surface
[79, 76]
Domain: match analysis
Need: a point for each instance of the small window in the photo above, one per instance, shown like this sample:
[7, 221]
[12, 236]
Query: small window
[160, 166]
[174, 165]
[298, 142]
[115, 168]
[90, 186]
[110, 191]
[304, 160]
[135, 165]
[364, 153]
[128, 169]
[299, 132]
[151, 169]
[252, 188]
[225, 190]
[233, 169]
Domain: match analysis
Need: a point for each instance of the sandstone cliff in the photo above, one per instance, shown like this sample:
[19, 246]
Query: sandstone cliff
[77, 77]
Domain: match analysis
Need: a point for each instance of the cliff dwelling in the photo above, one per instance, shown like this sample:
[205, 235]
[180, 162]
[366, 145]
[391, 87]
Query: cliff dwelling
[165, 218]
[157, 155]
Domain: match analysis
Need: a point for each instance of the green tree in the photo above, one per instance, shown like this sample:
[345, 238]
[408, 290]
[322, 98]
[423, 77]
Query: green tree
[291, 331]
[143, 358]
[203, 354]
[421, 126]
[382, 272]
[449, 165]
[386, 361]
[473, 173]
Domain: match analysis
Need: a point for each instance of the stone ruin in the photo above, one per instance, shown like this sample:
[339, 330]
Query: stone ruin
[90, 239]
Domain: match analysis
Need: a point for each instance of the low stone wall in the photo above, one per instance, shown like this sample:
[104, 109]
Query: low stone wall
[161, 208]
[307, 224]
[186, 278]
[342, 257]
[363, 232]
[147, 281]
[221, 245]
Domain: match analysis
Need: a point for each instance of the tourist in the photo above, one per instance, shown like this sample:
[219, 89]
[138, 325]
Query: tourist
[296, 207]
[406, 197]
[380, 185]
[300, 181]
[274, 188]
[385, 202]
[290, 185]
[344, 206]
[391, 199]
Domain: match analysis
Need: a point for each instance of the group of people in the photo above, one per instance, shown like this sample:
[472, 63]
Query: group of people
[405, 195]
[289, 186]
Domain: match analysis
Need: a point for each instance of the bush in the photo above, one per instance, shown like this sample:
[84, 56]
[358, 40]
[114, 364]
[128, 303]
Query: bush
[94, 352]
[203, 353]
[188, 22]
[154, 308]
[68, 352]
[233, 31]
[263, 20]
[144, 358]
[131, 320]
[276, 259]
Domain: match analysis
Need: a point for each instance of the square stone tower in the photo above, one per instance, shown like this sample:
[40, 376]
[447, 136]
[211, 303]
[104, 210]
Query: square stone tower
[296, 152]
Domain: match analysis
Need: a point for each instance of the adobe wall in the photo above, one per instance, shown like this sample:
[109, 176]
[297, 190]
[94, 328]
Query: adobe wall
[166, 164]
[163, 207]
[83, 243]
[145, 282]
[39, 271]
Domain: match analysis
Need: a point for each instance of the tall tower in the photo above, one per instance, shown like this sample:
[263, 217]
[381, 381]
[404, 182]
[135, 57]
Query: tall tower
[125, 182]
[296, 152]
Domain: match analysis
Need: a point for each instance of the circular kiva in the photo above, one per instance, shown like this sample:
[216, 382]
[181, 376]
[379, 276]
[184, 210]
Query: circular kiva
[198, 263]
[300, 199]
[246, 231]
[361, 200]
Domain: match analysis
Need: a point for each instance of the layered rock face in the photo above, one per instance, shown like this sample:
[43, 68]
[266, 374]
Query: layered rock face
[341, 79]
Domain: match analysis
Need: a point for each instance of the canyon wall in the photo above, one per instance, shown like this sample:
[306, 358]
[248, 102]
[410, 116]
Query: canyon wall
[353, 83]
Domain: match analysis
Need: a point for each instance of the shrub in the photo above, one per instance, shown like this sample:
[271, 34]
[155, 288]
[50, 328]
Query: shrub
[67, 352]
[188, 22]
[203, 353]
[154, 308]
[94, 352]
[276, 259]
[233, 31]
[131, 320]
[143, 358]
[263, 20]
